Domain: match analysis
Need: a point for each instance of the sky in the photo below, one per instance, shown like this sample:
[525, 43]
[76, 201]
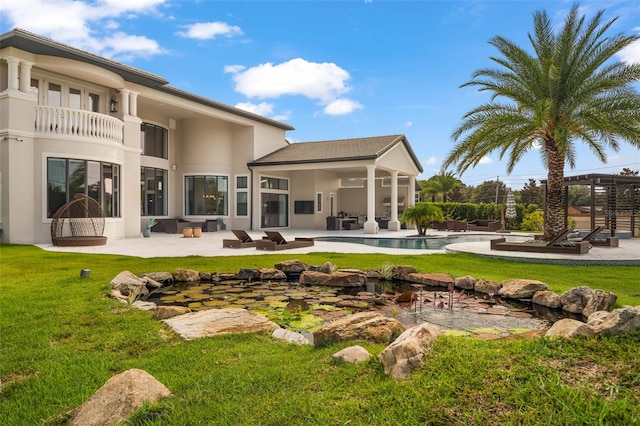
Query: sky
[331, 69]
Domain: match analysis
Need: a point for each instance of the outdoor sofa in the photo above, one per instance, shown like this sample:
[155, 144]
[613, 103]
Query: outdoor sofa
[484, 225]
[171, 226]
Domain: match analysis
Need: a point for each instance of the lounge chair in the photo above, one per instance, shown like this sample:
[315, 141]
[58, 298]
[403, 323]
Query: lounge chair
[275, 241]
[599, 242]
[243, 240]
[559, 244]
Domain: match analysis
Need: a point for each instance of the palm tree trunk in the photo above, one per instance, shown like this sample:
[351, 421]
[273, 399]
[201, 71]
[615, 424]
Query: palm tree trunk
[553, 209]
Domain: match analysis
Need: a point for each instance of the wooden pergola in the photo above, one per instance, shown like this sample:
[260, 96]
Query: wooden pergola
[615, 200]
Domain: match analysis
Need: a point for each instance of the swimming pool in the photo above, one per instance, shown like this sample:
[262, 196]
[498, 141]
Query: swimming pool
[429, 242]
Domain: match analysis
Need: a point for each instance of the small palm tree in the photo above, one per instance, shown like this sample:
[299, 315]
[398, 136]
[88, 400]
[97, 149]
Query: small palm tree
[422, 214]
[571, 89]
[442, 183]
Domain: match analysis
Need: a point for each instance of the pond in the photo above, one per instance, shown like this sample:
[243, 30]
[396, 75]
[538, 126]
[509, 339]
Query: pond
[305, 308]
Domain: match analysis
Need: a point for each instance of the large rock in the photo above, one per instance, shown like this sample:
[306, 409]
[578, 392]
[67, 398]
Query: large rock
[169, 311]
[219, 321]
[466, 283]
[326, 267]
[186, 275]
[547, 298]
[292, 266]
[401, 272]
[620, 321]
[487, 287]
[407, 352]
[129, 284]
[576, 299]
[570, 328]
[352, 354]
[597, 318]
[291, 337]
[600, 301]
[164, 278]
[336, 279]
[261, 274]
[436, 280]
[118, 397]
[521, 288]
[370, 326]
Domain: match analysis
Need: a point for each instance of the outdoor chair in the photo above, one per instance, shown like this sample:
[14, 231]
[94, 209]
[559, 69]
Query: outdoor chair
[275, 241]
[243, 240]
[558, 244]
[85, 221]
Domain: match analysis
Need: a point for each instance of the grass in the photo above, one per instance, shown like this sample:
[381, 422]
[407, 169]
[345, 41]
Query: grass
[61, 339]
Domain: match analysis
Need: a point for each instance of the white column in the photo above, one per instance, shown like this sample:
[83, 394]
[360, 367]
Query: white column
[133, 103]
[124, 101]
[412, 191]
[371, 226]
[25, 76]
[12, 73]
[394, 224]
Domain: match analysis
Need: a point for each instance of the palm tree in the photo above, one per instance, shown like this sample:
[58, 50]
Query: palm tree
[571, 89]
[422, 214]
[442, 183]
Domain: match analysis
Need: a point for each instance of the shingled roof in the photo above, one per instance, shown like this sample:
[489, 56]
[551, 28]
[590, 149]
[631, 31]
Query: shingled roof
[369, 148]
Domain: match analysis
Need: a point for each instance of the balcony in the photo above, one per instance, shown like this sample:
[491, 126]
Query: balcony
[68, 122]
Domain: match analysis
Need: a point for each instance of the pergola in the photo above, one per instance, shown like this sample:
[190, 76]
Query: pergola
[615, 200]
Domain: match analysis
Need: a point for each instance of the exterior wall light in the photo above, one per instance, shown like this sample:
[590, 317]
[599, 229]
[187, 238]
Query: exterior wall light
[113, 105]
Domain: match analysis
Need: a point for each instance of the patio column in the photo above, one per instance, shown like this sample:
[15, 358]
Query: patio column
[133, 103]
[371, 226]
[394, 224]
[412, 192]
[25, 76]
[12, 73]
[124, 101]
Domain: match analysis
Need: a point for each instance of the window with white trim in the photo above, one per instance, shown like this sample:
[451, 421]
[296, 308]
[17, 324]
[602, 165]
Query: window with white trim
[319, 202]
[242, 195]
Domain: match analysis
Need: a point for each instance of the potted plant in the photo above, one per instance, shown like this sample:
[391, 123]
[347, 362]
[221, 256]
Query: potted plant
[221, 223]
[146, 232]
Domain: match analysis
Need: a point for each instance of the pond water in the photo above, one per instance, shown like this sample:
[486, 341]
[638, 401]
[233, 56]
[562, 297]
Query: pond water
[304, 308]
[429, 242]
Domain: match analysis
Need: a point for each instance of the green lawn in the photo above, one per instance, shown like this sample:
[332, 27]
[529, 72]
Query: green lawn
[61, 338]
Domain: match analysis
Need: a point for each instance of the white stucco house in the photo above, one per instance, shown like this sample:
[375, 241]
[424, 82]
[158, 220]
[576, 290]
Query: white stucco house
[74, 122]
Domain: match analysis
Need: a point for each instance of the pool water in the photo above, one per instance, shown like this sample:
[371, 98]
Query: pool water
[429, 242]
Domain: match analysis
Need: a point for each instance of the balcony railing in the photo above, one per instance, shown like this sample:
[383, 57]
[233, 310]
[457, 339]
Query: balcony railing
[79, 123]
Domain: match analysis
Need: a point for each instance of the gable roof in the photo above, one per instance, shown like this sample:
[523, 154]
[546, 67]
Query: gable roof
[39, 45]
[368, 148]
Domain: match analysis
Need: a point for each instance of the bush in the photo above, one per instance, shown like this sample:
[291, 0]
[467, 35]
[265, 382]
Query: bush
[533, 221]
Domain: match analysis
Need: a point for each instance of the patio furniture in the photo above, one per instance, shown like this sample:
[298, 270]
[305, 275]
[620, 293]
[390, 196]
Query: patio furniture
[210, 226]
[243, 240]
[86, 222]
[439, 226]
[171, 226]
[457, 225]
[559, 244]
[484, 225]
[275, 241]
[332, 223]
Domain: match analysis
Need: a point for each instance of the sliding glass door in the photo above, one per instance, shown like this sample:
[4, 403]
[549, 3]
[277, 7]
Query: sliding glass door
[274, 210]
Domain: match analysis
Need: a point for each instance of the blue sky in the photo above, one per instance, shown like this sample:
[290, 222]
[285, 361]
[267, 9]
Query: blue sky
[332, 69]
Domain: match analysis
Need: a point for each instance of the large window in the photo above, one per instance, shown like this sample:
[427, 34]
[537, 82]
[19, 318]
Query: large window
[67, 177]
[274, 183]
[206, 195]
[153, 190]
[154, 140]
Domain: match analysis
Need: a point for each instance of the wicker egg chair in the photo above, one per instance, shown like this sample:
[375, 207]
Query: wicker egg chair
[86, 223]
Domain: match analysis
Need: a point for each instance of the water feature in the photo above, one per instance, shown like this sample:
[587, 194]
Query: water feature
[428, 242]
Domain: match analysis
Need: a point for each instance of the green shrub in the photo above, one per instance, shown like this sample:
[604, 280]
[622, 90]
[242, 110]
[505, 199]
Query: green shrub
[532, 222]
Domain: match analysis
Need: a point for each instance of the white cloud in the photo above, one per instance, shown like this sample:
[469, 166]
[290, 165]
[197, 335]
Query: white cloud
[631, 53]
[408, 124]
[78, 23]
[341, 107]
[233, 69]
[324, 81]
[263, 108]
[485, 160]
[209, 30]
[431, 161]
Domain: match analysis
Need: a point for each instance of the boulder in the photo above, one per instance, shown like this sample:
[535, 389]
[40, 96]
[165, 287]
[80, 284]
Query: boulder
[219, 321]
[576, 299]
[261, 274]
[487, 287]
[164, 312]
[164, 278]
[205, 276]
[118, 397]
[326, 267]
[620, 321]
[186, 275]
[597, 318]
[291, 266]
[370, 326]
[600, 301]
[401, 272]
[144, 306]
[436, 280]
[570, 328]
[291, 337]
[466, 283]
[129, 284]
[547, 298]
[336, 279]
[521, 288]
[352, 354]
[407, 352]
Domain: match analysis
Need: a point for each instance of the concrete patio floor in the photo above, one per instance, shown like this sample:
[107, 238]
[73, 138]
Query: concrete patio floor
[210, 244]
